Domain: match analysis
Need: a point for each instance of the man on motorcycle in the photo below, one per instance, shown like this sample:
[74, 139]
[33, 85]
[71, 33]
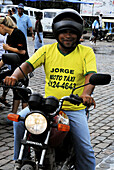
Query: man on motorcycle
[67, 64]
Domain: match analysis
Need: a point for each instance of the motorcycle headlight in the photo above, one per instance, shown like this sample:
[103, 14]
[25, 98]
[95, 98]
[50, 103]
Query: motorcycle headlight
[36, 123]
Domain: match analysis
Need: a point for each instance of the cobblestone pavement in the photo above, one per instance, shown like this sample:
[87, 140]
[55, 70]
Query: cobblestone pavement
[101, 121]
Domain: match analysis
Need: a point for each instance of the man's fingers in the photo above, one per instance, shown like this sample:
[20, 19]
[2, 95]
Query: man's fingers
[10, 81]
[88, 101]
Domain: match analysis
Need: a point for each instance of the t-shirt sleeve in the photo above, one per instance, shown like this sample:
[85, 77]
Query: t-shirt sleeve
[38, 58]
[89, 62]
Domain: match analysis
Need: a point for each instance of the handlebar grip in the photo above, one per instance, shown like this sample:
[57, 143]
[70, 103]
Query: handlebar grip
[19, 87]
[75, 99]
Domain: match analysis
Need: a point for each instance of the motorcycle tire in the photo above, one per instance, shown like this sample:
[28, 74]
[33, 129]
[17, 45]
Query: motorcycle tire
[109, 38]
[27, 167]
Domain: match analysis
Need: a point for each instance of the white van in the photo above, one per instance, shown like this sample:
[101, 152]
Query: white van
[5, 2]
[48, 15]
[27, 10]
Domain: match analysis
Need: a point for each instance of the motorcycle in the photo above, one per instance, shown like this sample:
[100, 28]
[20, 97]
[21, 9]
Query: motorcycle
[109, 23]
[102, 34]
[47, 129]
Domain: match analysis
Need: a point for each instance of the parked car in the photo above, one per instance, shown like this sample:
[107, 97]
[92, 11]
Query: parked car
[5, 2]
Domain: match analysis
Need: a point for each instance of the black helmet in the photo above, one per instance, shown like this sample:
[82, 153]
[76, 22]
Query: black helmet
[60, 23]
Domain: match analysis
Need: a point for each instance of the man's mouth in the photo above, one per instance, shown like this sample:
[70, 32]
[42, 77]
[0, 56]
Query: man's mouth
[68, 40]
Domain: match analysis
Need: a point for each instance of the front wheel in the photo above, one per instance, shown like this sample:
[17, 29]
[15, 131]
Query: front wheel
[109, 38]
[27, 167]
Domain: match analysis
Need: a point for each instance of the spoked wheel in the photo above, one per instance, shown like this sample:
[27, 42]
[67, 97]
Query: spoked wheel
[109, 38]
[27, 167]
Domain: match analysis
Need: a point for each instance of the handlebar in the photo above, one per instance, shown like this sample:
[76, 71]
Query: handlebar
[18, 86]
[74, 99]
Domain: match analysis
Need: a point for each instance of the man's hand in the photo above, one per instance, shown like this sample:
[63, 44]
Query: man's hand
[6, 47]
[88, 100]
[33, 37]
[40, 40]
[10, 80]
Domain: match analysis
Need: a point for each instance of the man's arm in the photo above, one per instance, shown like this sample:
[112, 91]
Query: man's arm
[37, 29]
[17, 74]
[86, 95]
[29, 24]
[15, 50]
[31, 30]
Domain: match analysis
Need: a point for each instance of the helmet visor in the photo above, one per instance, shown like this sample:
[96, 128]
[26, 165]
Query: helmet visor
[74, 26]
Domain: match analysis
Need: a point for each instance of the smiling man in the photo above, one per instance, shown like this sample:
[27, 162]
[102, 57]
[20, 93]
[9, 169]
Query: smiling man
[67, 64]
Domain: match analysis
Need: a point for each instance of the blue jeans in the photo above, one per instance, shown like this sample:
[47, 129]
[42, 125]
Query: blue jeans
[37, 44]
[79, 127]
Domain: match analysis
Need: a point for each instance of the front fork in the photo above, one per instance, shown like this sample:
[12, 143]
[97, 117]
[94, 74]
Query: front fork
[44, 150]
[40, 164]
[22, 147]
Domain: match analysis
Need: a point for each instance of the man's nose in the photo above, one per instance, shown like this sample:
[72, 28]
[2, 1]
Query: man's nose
[68, 34]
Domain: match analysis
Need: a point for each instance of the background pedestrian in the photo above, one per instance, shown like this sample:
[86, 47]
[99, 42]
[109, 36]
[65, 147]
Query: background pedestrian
[95, 27]
[16, 43]
[14, 11]
[38, 32]
[100, 21]
[9, 12]
[5, 91]
[23, 21]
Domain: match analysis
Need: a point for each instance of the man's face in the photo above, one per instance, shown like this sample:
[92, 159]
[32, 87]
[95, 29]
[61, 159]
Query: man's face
[20, 11]
[68, 38]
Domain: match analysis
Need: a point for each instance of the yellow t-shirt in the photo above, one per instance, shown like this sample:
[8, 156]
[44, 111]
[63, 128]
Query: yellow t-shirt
[64, 72]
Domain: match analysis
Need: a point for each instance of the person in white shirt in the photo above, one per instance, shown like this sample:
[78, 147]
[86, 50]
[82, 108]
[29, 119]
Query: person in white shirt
[5, 91]
[95, 27]
[100, 21]
[2, 41]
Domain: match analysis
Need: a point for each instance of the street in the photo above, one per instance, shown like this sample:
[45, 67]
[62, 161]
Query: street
[101, 120]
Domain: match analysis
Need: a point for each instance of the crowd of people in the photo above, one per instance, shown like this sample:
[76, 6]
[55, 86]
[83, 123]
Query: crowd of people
[66, 53]
[9, 31]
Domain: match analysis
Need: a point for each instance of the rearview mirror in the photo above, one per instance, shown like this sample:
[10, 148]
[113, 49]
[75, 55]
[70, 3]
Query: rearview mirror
[100, 79]
[11, 59]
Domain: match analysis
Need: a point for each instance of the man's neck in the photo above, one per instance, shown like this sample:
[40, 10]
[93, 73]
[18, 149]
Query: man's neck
[65, 50]
[20, 14]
